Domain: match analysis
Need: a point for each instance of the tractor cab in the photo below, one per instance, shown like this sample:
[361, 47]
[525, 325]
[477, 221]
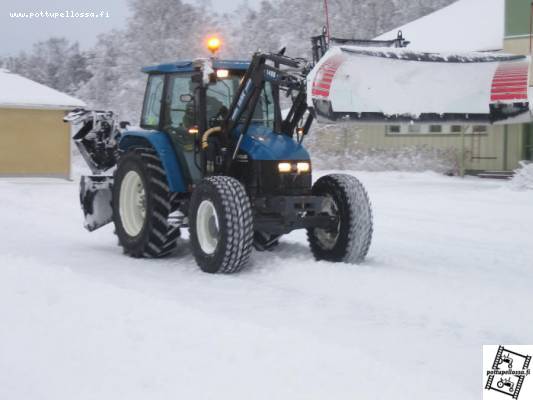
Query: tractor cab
[186, 99]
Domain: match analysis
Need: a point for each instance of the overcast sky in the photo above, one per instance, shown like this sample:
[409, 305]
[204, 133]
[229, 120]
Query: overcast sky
[19, 34]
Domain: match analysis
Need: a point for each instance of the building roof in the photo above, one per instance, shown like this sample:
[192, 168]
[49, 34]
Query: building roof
[466, 25]
[19, 92]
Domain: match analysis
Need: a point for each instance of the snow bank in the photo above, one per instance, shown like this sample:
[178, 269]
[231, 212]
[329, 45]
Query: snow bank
[408, 158]
[523, 178]
[462, 26]
[17, 91]
[339, 146]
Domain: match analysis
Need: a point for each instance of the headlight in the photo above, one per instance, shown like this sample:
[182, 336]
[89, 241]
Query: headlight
[303, 167]
[222, 73]
[284, 167]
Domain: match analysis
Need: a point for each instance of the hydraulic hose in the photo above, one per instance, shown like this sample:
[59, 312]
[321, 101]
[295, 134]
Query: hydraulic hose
[206, 135]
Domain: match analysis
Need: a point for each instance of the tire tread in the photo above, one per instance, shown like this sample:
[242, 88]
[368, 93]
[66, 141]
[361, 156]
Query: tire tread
[360, 230]
[161, 238]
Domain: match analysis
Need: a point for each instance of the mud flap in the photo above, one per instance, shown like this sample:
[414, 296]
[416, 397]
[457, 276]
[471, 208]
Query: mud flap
[96, 194]
[399, 85]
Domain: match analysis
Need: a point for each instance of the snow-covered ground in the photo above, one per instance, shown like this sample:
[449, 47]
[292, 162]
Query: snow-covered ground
[450, 269]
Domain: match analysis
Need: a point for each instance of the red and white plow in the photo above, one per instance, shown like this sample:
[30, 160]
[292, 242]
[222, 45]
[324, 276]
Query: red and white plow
[396, 84]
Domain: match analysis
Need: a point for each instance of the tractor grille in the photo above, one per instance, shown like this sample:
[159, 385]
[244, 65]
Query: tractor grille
[263, 178]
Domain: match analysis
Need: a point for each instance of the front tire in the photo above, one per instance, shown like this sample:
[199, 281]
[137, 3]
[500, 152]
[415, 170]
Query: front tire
[142, 204]
[220, 225]
[347, 200]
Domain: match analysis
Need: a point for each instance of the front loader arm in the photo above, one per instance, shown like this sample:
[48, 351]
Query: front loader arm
[284, 73]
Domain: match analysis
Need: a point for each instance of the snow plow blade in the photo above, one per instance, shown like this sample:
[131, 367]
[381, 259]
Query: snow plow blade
[96, 201]
[398, 85]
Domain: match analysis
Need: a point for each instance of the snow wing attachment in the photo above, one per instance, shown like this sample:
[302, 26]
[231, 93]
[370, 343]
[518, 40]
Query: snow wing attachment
[372, 84]
[96, 201]
[97, 138]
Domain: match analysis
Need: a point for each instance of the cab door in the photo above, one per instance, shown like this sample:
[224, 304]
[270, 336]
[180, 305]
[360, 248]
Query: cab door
[180, 123]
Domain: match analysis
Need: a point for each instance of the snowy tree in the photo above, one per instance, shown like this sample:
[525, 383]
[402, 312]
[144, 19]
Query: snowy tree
[55, 62]
[256, 29]
[291, 23]
[158, 31]
[103, 64]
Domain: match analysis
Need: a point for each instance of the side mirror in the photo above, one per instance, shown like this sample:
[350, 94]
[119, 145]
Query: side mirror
[186, 98]
[123, 124]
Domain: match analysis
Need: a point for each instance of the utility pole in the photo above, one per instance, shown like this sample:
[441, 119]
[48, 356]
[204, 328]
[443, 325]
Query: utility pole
[328, 35]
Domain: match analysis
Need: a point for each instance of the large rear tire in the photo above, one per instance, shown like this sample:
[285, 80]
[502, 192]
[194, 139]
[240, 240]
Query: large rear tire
[142, 204]
[348, 201]
[220, 225]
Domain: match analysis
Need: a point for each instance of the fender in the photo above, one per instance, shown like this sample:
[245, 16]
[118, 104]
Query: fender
[163, 146]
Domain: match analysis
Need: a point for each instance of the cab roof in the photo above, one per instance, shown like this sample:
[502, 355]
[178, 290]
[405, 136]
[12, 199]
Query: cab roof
[188, 66]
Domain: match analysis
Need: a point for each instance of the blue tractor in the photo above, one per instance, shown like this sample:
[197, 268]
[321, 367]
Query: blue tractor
[216, 154]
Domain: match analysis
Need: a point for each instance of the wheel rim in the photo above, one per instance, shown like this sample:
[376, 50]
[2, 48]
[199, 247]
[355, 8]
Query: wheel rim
[132, 203]
[207, 228]
[327, 239]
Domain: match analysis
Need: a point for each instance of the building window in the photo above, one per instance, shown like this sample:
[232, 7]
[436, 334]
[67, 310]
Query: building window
[456, 129]
[435, 128]
[394, 129]
[426, 129]
[479, 129]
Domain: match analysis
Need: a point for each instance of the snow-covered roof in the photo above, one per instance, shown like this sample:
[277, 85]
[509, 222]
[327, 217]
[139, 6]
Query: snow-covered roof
[17, 91]
[465, 25]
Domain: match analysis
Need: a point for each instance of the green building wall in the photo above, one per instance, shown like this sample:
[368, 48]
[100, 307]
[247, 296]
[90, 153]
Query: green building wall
[517, 17]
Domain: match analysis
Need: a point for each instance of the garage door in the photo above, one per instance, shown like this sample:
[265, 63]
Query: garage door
[34, 143]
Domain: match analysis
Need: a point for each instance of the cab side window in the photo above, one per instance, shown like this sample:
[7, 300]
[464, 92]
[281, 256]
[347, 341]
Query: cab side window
[181, 113]
[152, 101]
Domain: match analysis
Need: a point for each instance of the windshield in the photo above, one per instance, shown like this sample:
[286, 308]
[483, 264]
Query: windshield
[220, 95]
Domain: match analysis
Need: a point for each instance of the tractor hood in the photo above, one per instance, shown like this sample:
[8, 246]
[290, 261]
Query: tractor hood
[397, 84]
[261, 143]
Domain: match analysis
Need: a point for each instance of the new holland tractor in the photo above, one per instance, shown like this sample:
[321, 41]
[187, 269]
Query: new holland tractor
[216, 154]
